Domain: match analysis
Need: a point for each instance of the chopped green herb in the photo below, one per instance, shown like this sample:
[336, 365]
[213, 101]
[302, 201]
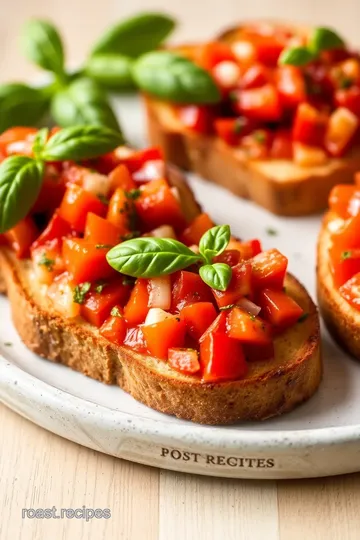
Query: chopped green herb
[346, 255]
[229, 306]
[133, 194]
[115, 312]
[48, 263]
[252, 317]
[99, 286]
[81, 291]
[103, 246]
[271, 232]
[103, 199]
[259, 137]
[303, 317]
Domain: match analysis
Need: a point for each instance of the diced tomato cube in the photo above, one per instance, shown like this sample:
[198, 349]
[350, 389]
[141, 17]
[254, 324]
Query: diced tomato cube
[196, 118]
[135, 339]
[255, 76]
[184, 360]
[61, 294]
[157, 205]
[120, 177]
[86, 262]
[97, 305]
[221, 358]
[164, 335]
[291, 86]
[229, 130]
[52, 191]
[17, 135]
[229, 256]
[261, 104]
[137, 308]
[349, 98]
[198, 317]
[339, 200]
[343, 264]
[121, 212]
[218, 325]
[240, 285]
[56, 229]
[135, 160]
[350, 291]
[247, 328]
[197, 228]
[278, 308]
[269, 270]
[22, 236]
[114, 328]
[247, 249]
[342, 126]
[76, 205]
[348, 236]
[99, 231]
[211, 54]
[282, 147]
[188, 288]
[309, 125]
[48, 261]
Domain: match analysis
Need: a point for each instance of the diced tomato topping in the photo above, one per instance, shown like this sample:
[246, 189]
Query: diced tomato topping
[258, 353]
[121, 212]
[269, 270]
[342, 126]
[86, 262]
[195, 117]
[261, 104]
[135, 160]
[197, 318]
[309, 125]
[255, 76]
[157, 205]
[61, 293]
[348, 236]
[247, 249]
[188, 288]
[229, 256]
[278, 308]
[56, 229]
[240, 285]
[48, 262]
[16, 135]
[197, 228]
[350, 291]
[211, 54]
[228, 130]
[282, 147]
[101, 299]
[52, 191]
[291, 86]
[76, 205]
[136, 309]
[172, 332]
[114, 328]
[22, 236]
[268, 47]
[247, 328]
[343, 264]
[99, 231]
[120, 177]
[184, 360]
[349, 98]
[340, 197]
[221, 358]
[135, 339]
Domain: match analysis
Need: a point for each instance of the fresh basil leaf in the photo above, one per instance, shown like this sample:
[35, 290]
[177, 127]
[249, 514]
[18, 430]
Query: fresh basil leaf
[42, 45]
[40, 140]
[151, 257]
[83, 102]
[81, 142]
[323, 39]
[217, 275]
[171, 77]
[214, 241]
[111, 70]
[296, 56]
[135, 36]
[20, 183]
[21, 105]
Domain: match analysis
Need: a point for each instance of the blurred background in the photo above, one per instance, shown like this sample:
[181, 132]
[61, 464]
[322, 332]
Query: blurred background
[81, 21]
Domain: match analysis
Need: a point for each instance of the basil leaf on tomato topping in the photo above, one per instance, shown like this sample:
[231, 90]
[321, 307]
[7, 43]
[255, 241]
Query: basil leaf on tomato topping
[20, 183]
[324, 39]
[151, 257]
[296, 56]
[217, 275]
[214, 241]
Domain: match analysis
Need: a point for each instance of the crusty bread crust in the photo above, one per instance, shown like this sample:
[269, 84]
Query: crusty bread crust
[342, 320]
[270, 388]
[280, 186]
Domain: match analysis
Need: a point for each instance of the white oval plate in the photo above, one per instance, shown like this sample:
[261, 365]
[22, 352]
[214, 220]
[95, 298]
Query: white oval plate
[320, 438]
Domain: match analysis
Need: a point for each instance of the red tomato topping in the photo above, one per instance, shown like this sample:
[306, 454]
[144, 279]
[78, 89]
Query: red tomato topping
[197, 318]
[197, 228]
[261, 104]
[269, 270]
[229, 256]
[350, 291]
[22, 236]
[99, 231]
[344, 200]
[76, 205]
[344, 264]
[349, 98]
[184, 360]
[195, 117]
[240, 285]
[188, 288]
[56, 229]
[348, 236]
[172, 332]
[14, 135]
[121, 212]
[278, 308]
[255, 76]
[136, 309]
[136, 160]
[282, 146]
[309, 125]
[291, 86]
[101, 299]
[51, 193]
[114, 328]
[221, 358]
[86, 262]
[211, 54]
[120, 177]
[247, 328]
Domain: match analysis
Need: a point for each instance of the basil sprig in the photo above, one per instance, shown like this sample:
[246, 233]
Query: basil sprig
[154, 257]
[21, 177]
[112, 71]
[169, 76]
[42, 45]
[21, 105]
[321, 39]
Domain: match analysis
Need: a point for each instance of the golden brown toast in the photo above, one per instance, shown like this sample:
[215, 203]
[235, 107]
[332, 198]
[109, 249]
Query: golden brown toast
[280, 186]
[342, 320]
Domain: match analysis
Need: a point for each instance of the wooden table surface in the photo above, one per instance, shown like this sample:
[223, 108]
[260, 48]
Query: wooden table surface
[41, 470]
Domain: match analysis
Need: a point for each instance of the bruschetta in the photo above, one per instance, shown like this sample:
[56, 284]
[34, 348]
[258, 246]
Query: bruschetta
[338, 269]
[285, 130]
[116, 272]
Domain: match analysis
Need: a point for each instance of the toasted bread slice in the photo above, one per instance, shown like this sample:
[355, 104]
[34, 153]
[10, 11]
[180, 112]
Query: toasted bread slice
[342, 320]
[270, 387]
[280, 186]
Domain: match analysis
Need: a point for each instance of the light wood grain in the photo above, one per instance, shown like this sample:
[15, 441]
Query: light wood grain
[39, 469]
